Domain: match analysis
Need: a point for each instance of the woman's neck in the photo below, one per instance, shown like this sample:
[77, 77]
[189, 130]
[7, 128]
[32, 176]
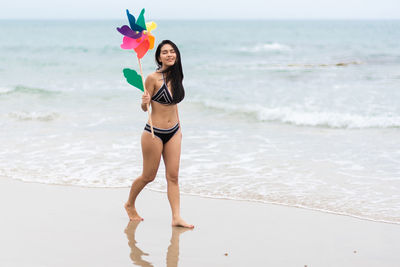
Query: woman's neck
[163, 68]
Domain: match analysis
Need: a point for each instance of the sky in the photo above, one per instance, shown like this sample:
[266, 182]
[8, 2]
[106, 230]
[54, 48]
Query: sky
[202, 9]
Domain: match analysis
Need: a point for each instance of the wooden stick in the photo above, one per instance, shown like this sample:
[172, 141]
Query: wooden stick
[148, 107]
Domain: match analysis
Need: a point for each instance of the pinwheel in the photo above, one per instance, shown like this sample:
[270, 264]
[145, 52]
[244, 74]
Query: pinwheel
[139, 38]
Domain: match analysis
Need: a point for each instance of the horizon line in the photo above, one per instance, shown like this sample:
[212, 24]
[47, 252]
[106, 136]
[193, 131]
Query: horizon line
[197, 19]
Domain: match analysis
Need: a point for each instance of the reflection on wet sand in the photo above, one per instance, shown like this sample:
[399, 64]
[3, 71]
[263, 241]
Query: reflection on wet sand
[173, 248]
[137, 254]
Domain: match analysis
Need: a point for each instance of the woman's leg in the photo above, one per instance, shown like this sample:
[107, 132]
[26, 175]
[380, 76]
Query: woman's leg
[171, 155]
[151, 151]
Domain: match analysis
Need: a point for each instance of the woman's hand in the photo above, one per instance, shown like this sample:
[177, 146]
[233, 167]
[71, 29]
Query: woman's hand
[145, 100]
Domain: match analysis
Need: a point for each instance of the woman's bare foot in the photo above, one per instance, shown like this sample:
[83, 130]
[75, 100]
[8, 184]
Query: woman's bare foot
[132, 213]
[179, 222]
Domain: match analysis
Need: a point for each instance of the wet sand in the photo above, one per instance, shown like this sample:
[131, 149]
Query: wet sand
[49, 225]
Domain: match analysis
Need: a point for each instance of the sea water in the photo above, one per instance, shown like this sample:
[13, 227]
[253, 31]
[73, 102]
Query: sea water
[298, 113]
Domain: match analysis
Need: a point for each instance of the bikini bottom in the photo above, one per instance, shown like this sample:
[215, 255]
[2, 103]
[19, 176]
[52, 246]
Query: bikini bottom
[163, 134]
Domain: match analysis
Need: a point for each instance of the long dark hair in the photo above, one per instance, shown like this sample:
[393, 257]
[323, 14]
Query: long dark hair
[174, 73]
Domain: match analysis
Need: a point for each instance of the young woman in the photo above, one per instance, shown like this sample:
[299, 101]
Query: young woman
[164, 90]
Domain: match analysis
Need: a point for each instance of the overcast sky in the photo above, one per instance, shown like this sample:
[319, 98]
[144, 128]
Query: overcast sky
[202, 9]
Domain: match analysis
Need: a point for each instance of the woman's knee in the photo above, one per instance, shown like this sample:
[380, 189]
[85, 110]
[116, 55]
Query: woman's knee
[172, 177]
[148, 178]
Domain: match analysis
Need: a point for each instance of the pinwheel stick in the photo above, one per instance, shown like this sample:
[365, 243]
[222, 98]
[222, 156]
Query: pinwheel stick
[148, 107]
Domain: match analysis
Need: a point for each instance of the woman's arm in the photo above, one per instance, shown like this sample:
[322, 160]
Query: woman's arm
[145, 100]
[148, 92]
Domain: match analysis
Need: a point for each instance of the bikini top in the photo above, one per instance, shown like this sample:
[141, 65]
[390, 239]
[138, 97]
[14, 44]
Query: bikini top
[163, 96]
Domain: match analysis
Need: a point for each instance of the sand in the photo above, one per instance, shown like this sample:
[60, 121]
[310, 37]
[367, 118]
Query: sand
[50, 225]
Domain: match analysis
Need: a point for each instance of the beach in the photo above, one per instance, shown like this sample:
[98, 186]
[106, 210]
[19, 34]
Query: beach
[290, 148]
[52, 225]
[304, 115]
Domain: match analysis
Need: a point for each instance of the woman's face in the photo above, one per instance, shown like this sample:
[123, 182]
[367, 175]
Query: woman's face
[167, 55]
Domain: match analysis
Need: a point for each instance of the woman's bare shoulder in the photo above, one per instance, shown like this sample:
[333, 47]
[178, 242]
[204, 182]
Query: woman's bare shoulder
[151, 81]
[153, 76]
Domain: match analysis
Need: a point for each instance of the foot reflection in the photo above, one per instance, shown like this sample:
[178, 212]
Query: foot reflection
[136, 253]
[173, 249]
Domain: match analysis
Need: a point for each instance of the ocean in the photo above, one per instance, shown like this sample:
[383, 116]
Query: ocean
[298, 113]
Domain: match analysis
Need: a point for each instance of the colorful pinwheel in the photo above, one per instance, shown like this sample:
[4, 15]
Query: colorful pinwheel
[139, 38]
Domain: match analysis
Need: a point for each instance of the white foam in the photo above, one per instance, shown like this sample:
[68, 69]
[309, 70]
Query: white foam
[266, 47]
[302, 118]
[4, 90]
[34, 115]
[230, 171]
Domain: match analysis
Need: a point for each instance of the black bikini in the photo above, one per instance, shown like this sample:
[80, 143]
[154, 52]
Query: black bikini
[163, 134]
[163, 96]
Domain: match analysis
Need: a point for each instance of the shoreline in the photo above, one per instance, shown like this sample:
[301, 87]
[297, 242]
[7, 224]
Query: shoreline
[222, 198]
[79, 226]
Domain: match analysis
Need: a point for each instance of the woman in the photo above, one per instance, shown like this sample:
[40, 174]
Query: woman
[166, 91]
